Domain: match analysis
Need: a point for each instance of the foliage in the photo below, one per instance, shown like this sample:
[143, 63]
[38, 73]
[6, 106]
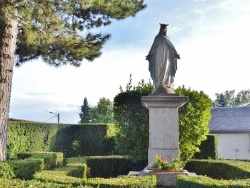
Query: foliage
[66, 31]
[51, 159]
[30, 136]
[84, 115]
[132, 120]
[194, 118]
[124, 182]
[60, 176]
[18, 183]
[60, 32]
[167, 164]
[184, 181]
[72, 140]
[220, 169]
[230, 98]
[103, 112]
[25, 169]
[208, 148]
[6, 171]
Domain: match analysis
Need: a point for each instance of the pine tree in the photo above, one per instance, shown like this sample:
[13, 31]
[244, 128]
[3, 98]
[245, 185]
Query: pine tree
[84, 115]
[59, 31]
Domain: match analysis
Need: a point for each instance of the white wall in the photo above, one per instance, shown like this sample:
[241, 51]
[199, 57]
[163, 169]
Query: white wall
[234, 146]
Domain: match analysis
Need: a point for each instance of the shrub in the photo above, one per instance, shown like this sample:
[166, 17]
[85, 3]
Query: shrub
[17, 183]
[225, 169]
[125, 181]
[208, 148]
[194, 118]
[60, 176]
[6, 171]
[51, 159]
[184, 181]
[132, 121]
[108, 166]
[25, 169]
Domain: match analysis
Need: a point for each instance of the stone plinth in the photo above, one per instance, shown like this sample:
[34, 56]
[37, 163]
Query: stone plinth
[163, 123]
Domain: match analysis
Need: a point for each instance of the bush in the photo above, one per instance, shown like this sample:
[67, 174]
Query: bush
[208, 148]
[108, 166]
[184, 181]
[126, 181]
[51, 159]
[60, 176]
[25, 169]
[17, 183]
[194, 118]
[6, 171]
[224, 169]
[78, 170]
[132, 121]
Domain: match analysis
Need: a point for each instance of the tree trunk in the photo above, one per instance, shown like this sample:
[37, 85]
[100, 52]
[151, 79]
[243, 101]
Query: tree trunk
[8, 34]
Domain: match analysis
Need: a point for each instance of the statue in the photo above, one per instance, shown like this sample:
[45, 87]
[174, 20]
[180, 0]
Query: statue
[162, 59]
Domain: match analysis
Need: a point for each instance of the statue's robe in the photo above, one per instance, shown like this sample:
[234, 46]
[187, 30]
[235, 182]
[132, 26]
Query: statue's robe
[162, 61]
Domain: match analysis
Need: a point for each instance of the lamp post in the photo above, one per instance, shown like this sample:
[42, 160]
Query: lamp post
[56, 115]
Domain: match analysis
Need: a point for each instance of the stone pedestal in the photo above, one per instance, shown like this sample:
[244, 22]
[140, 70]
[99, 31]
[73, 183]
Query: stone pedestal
[163, 106]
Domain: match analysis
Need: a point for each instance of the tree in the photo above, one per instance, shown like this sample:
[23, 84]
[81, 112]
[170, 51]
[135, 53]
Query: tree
[132, 120]
[194, 119]
[230, 98]
[133, 123]
[103, 112]
[59, 31]
[84, 115]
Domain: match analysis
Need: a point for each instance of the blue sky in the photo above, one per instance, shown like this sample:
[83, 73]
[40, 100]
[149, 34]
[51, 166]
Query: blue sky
[212, 38]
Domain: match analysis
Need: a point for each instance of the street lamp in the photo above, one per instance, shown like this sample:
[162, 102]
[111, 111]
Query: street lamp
[56, 115]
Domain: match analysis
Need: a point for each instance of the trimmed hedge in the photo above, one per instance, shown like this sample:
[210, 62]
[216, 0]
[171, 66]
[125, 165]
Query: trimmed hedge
[220, 169]
[208, 148]
[17, 183]
[184, 181]
[72, 140]
[112, 166]
[25, 169]
[6, 170]
[51, 159]
[60, 176]
[124, 182]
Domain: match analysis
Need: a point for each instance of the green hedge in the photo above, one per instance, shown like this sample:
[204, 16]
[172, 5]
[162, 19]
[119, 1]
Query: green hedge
[112, 166]
[85, 140]
[184, 181]
[6, 170]
[125, 181]
[72, 140]
[51, 159]
[220, 169]
[25, 169]
[208, 148]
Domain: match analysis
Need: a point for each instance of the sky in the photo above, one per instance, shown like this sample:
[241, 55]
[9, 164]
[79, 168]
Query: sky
[212, 38]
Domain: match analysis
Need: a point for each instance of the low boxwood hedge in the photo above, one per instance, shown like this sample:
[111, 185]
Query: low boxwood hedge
[220, 169]
[122, 182]
[184, 181]
[25, 169]
[51, 159]
[6, 171]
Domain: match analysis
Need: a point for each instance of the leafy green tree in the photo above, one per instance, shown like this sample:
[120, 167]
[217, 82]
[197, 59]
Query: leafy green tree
[84, 115]
[103, 112]
[194, 118]
[230, 98]
[59, 31]
[132, 121]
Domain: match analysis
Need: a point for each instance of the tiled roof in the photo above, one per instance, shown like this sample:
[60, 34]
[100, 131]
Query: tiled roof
[230, 120]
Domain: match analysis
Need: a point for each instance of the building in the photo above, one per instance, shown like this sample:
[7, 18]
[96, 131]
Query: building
[232, 125]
